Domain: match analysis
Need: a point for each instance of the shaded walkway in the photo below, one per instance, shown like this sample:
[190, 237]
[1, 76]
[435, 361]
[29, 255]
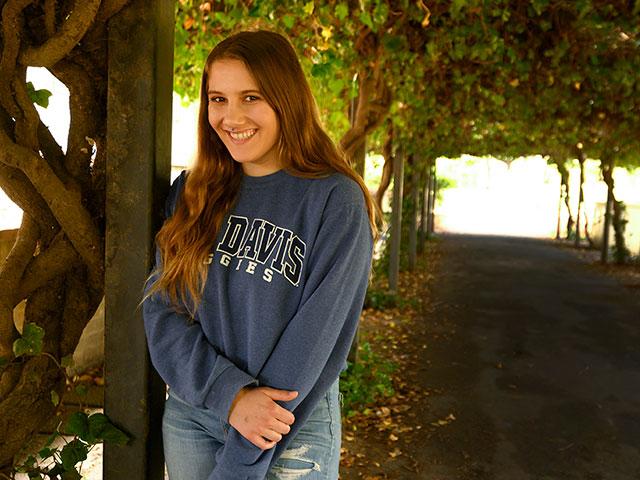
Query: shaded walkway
[537, 357]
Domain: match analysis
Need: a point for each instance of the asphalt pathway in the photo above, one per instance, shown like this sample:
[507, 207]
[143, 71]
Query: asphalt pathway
[532, 364]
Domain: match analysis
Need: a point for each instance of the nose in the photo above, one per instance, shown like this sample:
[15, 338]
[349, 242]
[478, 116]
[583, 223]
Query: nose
[234, 115]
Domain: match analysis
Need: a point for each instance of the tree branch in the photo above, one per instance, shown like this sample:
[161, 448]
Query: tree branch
[50, 17]
[59, 258]
[374, 101]
[65, 203]
[28, 404]
[11, 27]
[19, 189]
[108, 8]
[357, 130]
[11, 269]
[45, 308]
[53, 153]
[387, 169]
[78, 310]
[59, 46]
[85, 113]
[26, 124]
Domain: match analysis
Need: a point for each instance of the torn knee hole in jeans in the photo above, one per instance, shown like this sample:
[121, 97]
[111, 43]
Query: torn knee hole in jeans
[292, 464]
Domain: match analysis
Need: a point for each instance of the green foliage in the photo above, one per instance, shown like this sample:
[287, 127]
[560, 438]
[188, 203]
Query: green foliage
[380, 299]
[31, 341]
[61, 462]
[621, 253]
[443, 183]
[39, 97]
[498, 78]
[366, 380]
[95, 429]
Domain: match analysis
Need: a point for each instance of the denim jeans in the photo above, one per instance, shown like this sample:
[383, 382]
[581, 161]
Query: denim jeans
[193, 435]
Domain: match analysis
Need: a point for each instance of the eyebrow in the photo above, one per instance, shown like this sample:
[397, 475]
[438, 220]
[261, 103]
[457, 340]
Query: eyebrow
[243, 92]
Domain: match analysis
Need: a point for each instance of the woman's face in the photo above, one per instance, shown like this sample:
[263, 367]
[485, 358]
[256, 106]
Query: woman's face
[242, 118]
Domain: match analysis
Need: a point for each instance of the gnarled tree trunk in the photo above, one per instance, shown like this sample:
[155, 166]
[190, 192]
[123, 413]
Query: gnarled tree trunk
[373, 101]
[57, 260]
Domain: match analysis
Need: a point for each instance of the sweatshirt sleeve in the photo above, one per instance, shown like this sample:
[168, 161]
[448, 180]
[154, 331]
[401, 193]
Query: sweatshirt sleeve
[180, 351]
[314, 346]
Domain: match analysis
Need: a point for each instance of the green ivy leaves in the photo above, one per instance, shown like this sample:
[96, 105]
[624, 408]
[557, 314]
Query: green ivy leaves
[31, 341]
[60, 463]
[39, 97]
[88, 430]
[95, 429]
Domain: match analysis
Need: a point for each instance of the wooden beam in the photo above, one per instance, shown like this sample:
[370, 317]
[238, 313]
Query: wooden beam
[138, 170]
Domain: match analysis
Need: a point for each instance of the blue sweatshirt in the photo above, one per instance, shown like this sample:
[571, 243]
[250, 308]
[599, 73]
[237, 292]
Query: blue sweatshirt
[286, 283]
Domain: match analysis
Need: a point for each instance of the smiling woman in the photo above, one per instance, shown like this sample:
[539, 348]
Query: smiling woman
[261, 269]
[242, 118]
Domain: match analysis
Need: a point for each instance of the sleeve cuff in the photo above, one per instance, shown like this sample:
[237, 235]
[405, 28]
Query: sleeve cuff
[225, 389]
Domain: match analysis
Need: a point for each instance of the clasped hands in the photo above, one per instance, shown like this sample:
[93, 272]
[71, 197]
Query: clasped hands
[255, 414]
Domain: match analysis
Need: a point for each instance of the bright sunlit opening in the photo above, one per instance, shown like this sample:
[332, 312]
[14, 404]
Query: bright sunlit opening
[521, 197]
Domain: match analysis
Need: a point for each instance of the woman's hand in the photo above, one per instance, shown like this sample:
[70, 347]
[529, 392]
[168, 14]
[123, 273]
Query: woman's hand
[258, 418]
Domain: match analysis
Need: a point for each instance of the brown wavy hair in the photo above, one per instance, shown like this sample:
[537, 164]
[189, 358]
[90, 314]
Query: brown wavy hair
[212, 185]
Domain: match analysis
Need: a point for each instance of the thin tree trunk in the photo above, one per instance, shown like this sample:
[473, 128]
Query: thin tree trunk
[619, 222]
[621, 251]
[581, 160]
[396, 221]
[360, 150]
[423, 212]
[413, 224]
[607, 167]
[564, 182]
[560, 200]
[427, 200]
[567, 202]
[434, 193]
[359, 156]
[587, 235]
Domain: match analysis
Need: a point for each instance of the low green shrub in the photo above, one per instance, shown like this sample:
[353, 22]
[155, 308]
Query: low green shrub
[364, 381]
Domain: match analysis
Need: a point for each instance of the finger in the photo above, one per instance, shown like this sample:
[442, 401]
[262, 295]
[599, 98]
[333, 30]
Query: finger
[262, 443]
[280, 427]
[276, 394]
[284, 415]
[271, 436]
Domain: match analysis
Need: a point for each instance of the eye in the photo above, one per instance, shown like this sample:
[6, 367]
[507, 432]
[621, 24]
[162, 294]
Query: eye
[216, 99]
[251, 98]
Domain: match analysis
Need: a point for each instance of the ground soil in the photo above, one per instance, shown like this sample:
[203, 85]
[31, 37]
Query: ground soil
[518, 360]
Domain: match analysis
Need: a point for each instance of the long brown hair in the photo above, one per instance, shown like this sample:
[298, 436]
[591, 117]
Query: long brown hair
[213, 182]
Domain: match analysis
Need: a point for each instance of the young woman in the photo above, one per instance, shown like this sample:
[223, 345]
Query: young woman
[261, 270]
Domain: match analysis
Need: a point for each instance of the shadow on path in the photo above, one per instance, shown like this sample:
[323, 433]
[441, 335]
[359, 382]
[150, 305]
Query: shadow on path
[537, 357]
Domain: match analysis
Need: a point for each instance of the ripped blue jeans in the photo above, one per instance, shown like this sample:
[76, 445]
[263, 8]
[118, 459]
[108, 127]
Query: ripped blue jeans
[192, 435]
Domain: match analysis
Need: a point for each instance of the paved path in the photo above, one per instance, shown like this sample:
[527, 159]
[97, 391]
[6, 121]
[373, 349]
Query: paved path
[537, 356]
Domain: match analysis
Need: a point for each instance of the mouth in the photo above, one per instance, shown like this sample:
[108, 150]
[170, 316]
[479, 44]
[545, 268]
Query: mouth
[243, 135]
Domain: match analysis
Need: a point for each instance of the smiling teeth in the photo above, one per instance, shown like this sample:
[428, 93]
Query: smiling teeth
[242, 135]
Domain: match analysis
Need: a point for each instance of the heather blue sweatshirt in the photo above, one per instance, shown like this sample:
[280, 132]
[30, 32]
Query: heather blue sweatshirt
[287, 278]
